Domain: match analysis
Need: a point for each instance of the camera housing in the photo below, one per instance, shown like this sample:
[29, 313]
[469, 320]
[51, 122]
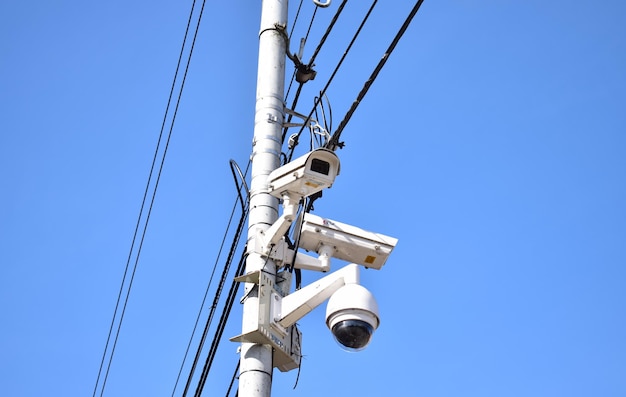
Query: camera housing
[305, 175]
[349, 243]
[352, 316]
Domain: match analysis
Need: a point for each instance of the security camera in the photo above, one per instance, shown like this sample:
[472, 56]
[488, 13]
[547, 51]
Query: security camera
[348, 243]
[305, 175]
[352, 316]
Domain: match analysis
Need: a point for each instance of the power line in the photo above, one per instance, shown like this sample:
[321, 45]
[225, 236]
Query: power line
[293, 26]
[295, 20]
[228, 305]
[327, 33]
[220, 286]
[232, 381]
[333, 143]
[309, 66]
[141, 212]
[216, 298]
[332, 76]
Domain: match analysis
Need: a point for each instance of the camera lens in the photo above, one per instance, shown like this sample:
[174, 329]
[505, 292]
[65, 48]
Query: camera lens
[353, 334]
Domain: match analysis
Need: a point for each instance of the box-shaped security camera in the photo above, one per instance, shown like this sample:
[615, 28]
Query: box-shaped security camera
[349, 243]
[305, 175]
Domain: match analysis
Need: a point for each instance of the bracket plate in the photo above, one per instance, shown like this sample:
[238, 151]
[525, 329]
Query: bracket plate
[286, 342]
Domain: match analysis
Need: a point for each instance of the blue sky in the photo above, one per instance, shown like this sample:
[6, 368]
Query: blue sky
[492, 145]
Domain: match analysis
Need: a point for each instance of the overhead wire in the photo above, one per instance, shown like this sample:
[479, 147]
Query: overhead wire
[308, 206]
[293, 76]
[332, 76]
[295, 19]
[216, 299]
[327, 32]
[302, 41]
[141, 211]
[234, 168]
[329, 28]
[293, 26]
[317, 101]
[333, 143]
[230, 300]
[232, 381]
[328, 121]
[325, 125]
[237, 235]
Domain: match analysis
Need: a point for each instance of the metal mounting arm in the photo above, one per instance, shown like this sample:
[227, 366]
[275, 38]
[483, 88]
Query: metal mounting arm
[293, 307]
[278, 229]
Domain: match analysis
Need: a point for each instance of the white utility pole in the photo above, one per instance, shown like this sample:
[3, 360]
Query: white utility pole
[255, 374]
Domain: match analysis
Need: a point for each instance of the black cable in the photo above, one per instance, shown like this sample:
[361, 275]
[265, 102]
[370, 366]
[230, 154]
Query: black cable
[343, 57]
[328, 124]
[308, 207]
[141, 211]
[327, 33]
[300, 363]
[295, 19]
[232, 293]
[298, 272]
[234, 166]
[327, 127]
[308, 32]
[310, 64]
[293, 26]
[232, 381]
[216, 298]
[294, 57]
[293, 106]
[297, 94]
[333, 143]
[158, 179]
[228, 261]
[312, 137]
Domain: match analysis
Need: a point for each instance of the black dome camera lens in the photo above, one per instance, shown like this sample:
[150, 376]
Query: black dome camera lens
[353, 334]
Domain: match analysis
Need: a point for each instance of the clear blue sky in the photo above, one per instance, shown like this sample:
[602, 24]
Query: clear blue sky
[492, 145]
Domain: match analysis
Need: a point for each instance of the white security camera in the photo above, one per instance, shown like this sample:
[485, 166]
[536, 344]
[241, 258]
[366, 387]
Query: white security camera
[348, 243]
[352, 316]
[351, 313]
[305, 175]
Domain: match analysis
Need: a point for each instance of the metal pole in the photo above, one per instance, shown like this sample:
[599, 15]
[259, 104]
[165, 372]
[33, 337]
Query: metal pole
[255, 376]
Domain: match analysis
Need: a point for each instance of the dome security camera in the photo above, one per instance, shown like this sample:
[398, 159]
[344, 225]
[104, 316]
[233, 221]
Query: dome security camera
[352, 316]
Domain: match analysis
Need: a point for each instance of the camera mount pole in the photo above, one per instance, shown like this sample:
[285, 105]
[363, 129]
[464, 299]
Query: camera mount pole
[255, 375]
